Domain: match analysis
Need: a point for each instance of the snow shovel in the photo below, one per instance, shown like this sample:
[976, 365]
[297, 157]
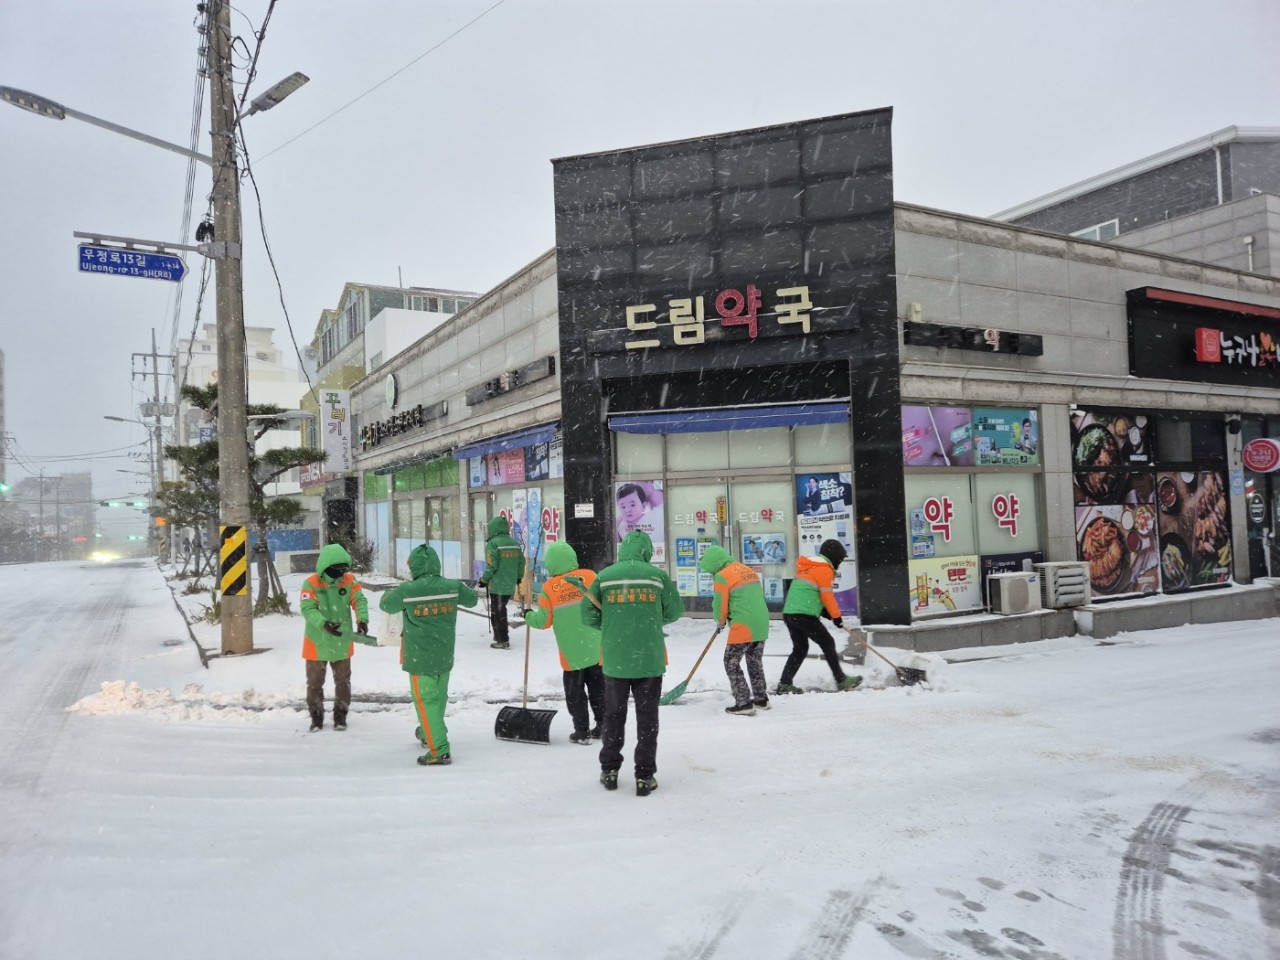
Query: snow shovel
[907, 676]
[520, 723]
[676, 692]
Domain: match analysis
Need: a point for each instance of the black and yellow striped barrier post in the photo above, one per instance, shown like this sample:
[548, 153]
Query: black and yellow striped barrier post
[234, 557]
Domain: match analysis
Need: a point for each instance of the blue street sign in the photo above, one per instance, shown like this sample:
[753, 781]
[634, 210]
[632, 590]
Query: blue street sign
[131, 263]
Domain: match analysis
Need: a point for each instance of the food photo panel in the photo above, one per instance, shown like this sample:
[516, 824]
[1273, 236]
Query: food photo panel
[1195, 529]
[1120, 544]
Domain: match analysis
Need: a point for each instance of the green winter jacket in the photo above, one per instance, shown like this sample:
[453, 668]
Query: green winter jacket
[813, 589]
[560, 607]
[738, 598]
[324, 599]
[430, 606]
[638, 600]
[503, 560]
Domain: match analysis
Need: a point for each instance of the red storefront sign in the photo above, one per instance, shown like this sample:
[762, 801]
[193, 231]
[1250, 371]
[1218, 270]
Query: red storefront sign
[1208, 346]
[1262, 455]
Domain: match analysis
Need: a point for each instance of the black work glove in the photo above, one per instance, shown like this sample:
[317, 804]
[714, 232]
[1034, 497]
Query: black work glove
[838, 621]
[362, 626]
[333, 628]
[482, 585]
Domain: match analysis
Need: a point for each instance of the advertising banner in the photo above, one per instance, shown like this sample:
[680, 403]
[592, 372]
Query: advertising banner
[335, 412]
[506, 467]
[763, 548]
[537, 462]
[824, 511]
[945, 585]
[556, 455]
[1195, 529]
[476, 471]
[937, 437]
[640, 507]
[686, 566]
[1004, 436]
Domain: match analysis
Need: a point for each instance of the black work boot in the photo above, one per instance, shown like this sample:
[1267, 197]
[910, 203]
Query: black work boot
[339, 719]
[317, 720]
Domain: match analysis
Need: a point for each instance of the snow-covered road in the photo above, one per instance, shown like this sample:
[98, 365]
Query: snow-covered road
[1063, 800]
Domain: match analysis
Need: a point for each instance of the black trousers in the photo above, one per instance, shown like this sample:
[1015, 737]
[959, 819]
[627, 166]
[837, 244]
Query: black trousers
[646, 691]
[580, 688]
[803, 627]
[498, 617]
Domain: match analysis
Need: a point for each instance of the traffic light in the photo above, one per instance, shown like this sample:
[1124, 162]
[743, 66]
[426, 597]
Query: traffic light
[4, 488]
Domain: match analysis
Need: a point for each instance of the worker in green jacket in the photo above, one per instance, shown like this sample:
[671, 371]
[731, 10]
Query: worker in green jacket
[429, 603]
[503, 570]
[326, 602]
[738, 600]
[559, 607]
[633, 601]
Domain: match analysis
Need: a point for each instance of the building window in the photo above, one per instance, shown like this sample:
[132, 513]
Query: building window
[353, 319]
[1108, 230]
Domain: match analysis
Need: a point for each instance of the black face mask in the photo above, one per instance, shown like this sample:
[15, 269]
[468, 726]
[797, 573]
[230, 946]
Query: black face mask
[336, 572]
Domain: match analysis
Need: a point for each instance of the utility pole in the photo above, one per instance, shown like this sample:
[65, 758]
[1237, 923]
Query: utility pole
[156, 445]
[233, 428]
[40, 528]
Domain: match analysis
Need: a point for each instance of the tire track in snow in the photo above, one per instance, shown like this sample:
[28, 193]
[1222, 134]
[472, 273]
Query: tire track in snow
[833, 929]
[706, 949]
[1138, 931]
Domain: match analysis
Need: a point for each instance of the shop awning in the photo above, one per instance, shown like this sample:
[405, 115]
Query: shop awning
[740, 418]
[509, 441]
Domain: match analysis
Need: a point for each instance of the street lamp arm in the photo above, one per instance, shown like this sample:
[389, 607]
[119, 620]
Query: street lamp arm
[137, 135]
[56, 111]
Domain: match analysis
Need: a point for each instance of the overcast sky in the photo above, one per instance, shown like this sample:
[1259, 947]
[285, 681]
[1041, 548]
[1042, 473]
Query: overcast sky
[442, 175]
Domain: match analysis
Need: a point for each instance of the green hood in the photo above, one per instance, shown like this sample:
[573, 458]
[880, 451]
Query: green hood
[424, 562]
[498, 527]
[561, 558]
[636, 545]
[715, 559]
[333, 553]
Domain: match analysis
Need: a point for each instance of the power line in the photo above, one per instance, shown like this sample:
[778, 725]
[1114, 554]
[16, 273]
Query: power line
[384, 81]
[262, 226]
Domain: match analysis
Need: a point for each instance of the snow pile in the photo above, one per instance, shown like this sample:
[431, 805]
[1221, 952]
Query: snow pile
[119, 697]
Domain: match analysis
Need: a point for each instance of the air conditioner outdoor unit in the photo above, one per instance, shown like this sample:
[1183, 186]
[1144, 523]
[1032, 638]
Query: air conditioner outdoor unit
[1064, 584]
[1010, 593]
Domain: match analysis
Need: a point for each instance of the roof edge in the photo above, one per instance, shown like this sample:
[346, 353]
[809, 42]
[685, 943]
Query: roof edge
[1156, 160]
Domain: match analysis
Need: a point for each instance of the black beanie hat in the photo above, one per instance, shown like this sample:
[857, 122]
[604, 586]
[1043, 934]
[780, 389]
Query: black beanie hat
[834, 551]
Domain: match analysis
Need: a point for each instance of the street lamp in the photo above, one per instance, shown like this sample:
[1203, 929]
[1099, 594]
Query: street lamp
[277, 93]
[233, 459]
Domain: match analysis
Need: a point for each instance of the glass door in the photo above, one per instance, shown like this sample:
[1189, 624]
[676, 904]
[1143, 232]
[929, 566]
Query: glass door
[697, 514]
[763, 533]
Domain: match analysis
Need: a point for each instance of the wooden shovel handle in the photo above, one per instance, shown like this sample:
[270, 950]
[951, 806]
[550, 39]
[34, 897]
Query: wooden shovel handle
[524, 702]
[577, 582]
[896, 669]
[696, 665]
